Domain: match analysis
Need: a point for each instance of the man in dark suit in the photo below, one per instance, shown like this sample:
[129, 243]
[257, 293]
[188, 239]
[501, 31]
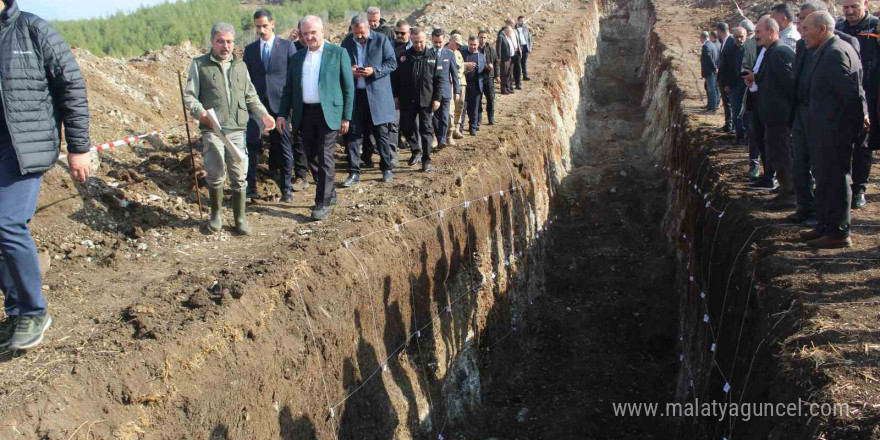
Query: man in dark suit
[839, 121]
[476, 63]
[320, 96]
[372, 61]
[709, 70]
[266, 60]
[418, 84]
[730, 81]
[506, 49]
[726, 58]
[805, 149]
[858, 22]
[402, 43]
[449, 88]
[775, 99]
[489, 76]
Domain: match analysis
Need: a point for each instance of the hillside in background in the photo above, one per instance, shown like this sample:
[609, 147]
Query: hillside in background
[151, 28]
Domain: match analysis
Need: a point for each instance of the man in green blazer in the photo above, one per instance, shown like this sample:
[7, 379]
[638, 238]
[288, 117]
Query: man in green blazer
[320, 94]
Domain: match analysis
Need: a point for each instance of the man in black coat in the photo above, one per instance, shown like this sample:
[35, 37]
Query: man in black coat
[804, 146]
[838, 122]
[418, 85]
[859, 23]
[709, 70]
[732, 85]
[726, 59]
[774, 97]
[474, 77]
[489, 77]
[34, 99]
[266, 60]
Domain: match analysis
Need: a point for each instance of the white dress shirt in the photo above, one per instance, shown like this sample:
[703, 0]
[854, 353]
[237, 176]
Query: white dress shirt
[754, 87]
[264, 43]
[311, 74]
[361, 60]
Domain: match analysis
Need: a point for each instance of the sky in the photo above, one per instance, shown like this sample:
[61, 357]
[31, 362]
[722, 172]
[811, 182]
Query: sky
[73, 9]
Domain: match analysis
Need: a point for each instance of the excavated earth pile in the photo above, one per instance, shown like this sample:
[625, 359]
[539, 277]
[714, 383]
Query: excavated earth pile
[592, 248]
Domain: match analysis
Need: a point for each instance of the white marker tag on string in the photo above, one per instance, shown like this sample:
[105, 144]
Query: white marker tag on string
[501, 193]
[384, 367]
[345, 243]
[726, 387]
[332, 413]
[702, 294]
[513, 189]
[397, 228]
[485, 198]
[708, 203]
[713, 347]
[440, 437]
[721, 215]
[695, 186]
[684, 236]
[467, 205]
[418, 333]
[448, 309]
[692, 383]
[441, 214]
[705, 318]
[691, 278]
[681, 357]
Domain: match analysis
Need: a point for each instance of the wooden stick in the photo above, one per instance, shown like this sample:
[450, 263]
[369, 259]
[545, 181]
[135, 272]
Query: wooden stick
[192, 155]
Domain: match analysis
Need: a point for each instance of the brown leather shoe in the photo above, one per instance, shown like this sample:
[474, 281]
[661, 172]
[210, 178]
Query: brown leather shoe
[827, 242]
[812, 234]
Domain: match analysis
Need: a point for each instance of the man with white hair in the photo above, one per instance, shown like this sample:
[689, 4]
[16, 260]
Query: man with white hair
[220, 81]
[378, 24]
[774, 86]
[838, 122]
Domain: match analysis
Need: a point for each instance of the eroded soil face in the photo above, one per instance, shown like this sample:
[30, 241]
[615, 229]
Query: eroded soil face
[604, 331]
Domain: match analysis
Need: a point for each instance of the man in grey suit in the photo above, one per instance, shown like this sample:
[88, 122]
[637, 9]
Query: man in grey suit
[372, 61]
[838, 122]
[774, 98]
[709, 70]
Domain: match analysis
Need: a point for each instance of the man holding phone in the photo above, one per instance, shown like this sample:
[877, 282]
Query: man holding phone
[372, 61]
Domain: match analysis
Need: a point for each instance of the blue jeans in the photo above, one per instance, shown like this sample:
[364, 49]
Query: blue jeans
[737, 96]
[712, 91]
[20, 278]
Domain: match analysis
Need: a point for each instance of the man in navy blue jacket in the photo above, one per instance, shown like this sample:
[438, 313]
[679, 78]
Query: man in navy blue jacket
[372, 61]
[266, 60]
[475, 63]
[449, 87]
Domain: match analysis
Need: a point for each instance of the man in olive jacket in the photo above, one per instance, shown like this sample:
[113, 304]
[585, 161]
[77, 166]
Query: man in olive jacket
[220, 81]
[42, 89]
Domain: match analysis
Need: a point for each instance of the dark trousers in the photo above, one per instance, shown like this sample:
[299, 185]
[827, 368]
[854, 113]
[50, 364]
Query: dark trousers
[416, 124]
[834, 187]
[524, 60]
[280, 154]
[300, 160]
[369, 148]
[441, 121]
[737, 97]
[757, 146]
[506, 76]
[489, 93]
[725, 104]
[472, 99]
[319, 142]
[517, 70]
[805, 159]
[20, 278]
[361, 123]
[777, 146]
[861, 167]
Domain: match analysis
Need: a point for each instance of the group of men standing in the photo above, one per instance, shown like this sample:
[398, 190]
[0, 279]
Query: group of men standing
[382, 89]
[802, 91]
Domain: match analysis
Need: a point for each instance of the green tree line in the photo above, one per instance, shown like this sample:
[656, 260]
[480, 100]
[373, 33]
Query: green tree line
[150, 28]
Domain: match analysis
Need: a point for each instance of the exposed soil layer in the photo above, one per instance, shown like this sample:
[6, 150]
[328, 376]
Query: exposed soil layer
[604, 330]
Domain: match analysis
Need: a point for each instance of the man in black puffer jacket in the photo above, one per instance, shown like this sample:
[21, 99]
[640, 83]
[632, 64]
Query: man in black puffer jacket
[41, 88]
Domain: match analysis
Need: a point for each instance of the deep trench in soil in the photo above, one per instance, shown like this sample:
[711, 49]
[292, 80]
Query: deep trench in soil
[604, 331]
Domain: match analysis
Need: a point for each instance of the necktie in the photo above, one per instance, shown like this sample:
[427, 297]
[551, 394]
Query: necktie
[267, 52]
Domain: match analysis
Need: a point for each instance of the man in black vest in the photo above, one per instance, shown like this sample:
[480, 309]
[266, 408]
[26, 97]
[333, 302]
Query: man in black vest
[266, 60]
